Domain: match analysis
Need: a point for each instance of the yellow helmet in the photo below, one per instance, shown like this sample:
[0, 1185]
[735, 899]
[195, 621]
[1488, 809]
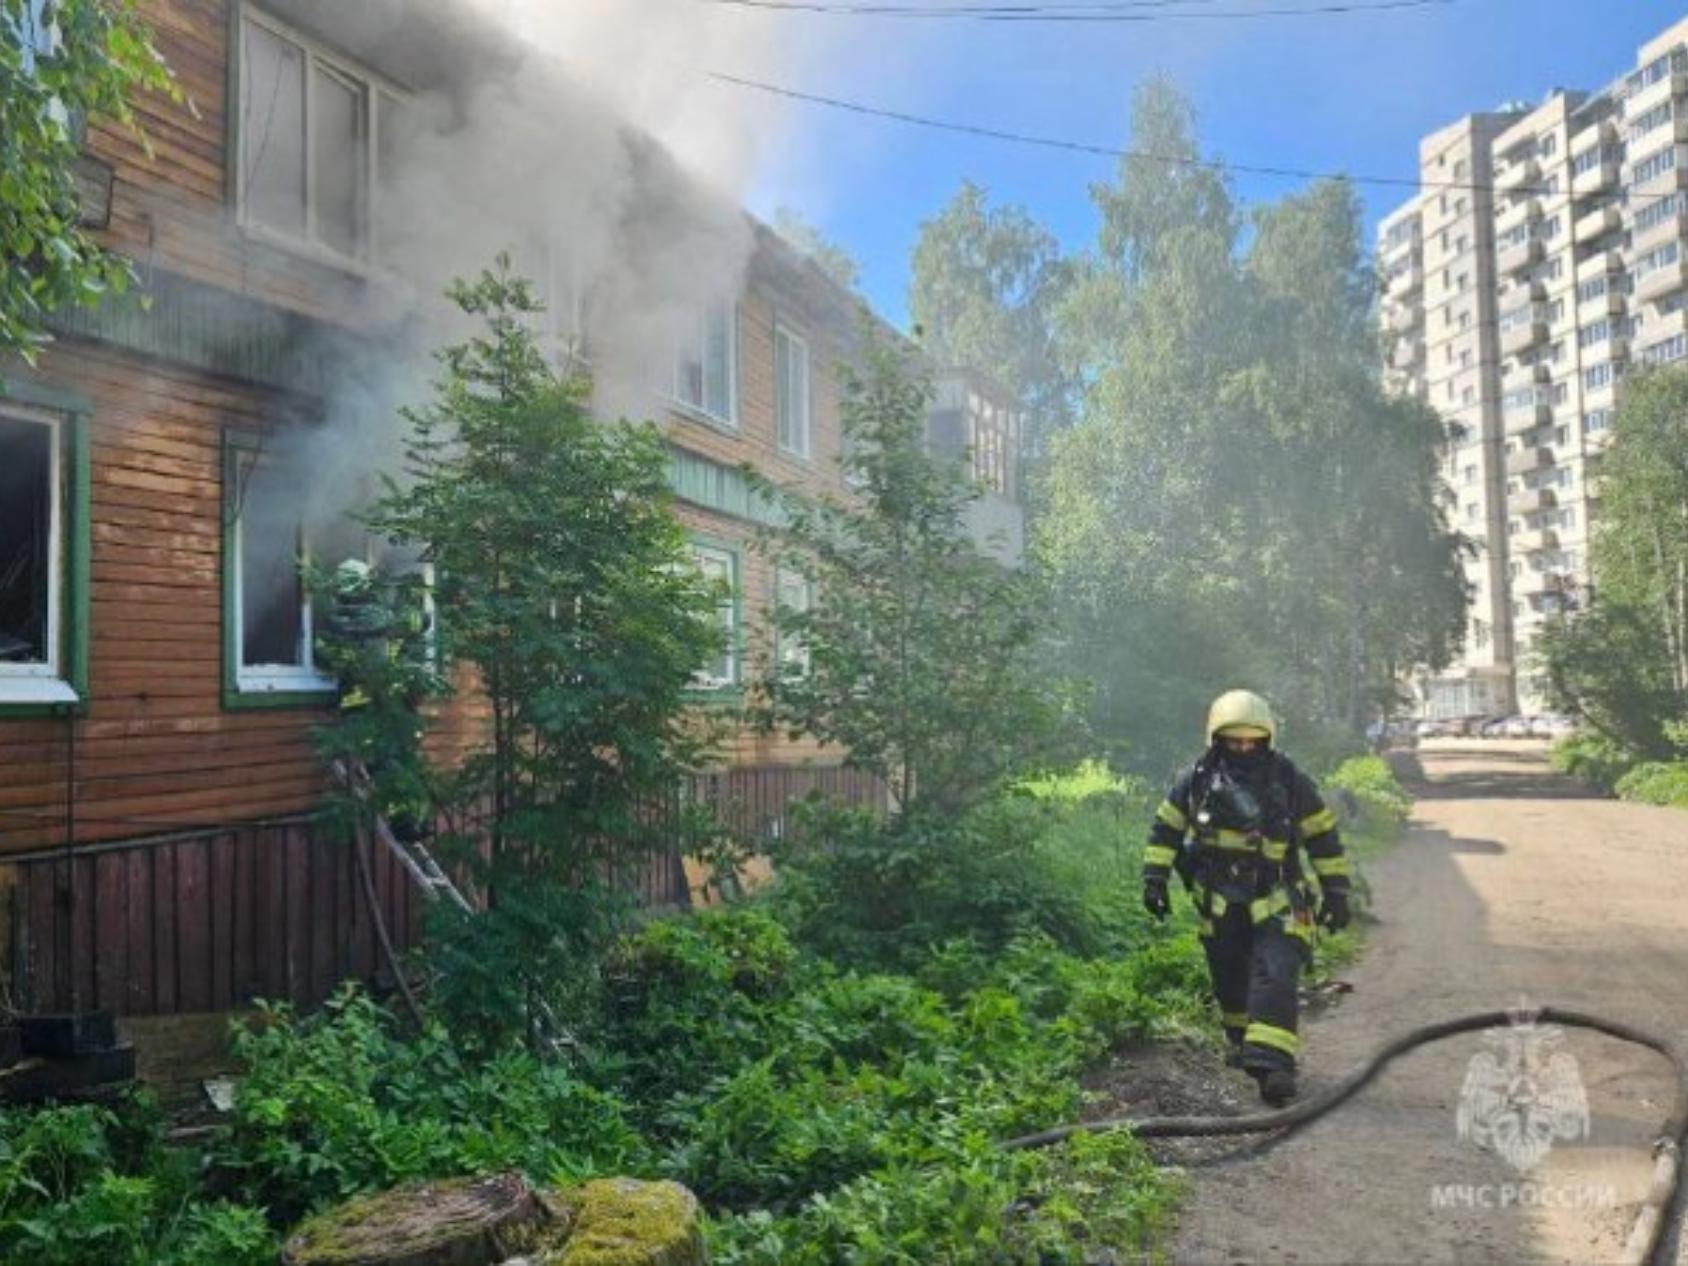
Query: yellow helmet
[1241, 713]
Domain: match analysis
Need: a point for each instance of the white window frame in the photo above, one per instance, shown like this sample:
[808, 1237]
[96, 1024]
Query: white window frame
[788, 650]
[42, 681]
[268, 679]
[727, 613]
[373, 87]
[697, 339]
[803, 435]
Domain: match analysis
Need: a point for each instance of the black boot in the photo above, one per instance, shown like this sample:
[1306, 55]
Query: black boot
[1277, 1086]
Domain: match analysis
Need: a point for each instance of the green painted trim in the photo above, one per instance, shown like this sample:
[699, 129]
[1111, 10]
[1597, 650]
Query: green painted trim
[234, 698]
[44, 395]
[719, 488]
[231, 112]
[236, 336]
[735, 549]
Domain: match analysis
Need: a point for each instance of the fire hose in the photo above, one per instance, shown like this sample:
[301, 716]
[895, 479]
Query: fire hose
[1642, 1248]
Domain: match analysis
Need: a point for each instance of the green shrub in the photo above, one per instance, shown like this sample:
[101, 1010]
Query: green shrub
[1656, 782]
[83, 1184]
[1594, 758]
[338, 1103]
[1370, 780]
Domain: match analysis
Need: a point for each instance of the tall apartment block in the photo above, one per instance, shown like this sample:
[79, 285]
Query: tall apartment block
[1545, 254]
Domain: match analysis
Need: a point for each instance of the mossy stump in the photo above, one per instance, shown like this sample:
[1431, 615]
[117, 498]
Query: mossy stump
[624, 1222]
[452, 1222]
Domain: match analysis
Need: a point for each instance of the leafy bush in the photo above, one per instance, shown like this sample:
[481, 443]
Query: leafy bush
[1372, 783]
[84, 1184]
[1594, 758]
[1656, 782]
[338, 1104]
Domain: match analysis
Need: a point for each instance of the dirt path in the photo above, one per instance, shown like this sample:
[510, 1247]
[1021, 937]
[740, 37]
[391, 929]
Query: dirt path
[1510, 884]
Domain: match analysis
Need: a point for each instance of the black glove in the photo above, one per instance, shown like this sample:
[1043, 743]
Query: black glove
[1333, 911]
[1156, 900]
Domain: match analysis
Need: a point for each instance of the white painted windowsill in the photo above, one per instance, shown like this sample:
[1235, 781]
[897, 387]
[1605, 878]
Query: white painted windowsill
[36, 690]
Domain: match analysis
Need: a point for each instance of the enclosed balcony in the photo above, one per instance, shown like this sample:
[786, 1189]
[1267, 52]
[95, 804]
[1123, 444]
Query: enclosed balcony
[1406, 280]
[1535, 541]
[1406, 353]
[1658, 282]
[1530, 500]
[1521, 174]
[1517, 255]
[1520, 418]
[1601, 176]
[1596, 224]
[1532, 457]
[1520, 211]
[1404, 317]
[1522, 328]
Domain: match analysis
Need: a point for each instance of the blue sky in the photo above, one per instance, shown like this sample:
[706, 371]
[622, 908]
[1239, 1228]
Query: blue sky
[1337, 92]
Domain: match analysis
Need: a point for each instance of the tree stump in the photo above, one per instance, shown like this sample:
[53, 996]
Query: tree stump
[623, 1222]
[452, 1222]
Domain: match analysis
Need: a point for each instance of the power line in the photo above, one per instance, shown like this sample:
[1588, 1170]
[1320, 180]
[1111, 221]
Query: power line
[1117, 152]
[1115, 12]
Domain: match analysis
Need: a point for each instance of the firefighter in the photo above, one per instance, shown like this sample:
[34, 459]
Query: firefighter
[1262, 858]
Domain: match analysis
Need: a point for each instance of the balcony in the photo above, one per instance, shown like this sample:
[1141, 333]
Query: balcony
[1603, 175]
[1661, 184]
[1538, 584]
[1527, 459]
[1403, 318]
[1405, 281]
[1661, 281]
[1607, 261]
[1512, 257]
[1527, 417]
[1611, 303]
[1517, 175]
[1656, 93]
[1523, 328]
[1531, 500]
[1643, 240]
[1406, 353]
[1596, 224]
[1522, 211]
[1535, 541]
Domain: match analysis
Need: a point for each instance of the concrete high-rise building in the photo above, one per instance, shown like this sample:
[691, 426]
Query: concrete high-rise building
[1546, 253]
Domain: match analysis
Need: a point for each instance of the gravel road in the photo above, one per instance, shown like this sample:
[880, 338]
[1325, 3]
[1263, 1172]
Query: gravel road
[1512, 884]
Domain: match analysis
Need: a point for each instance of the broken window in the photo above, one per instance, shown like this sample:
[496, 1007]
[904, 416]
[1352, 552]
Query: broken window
[270, 607]
[310, 139]
[30, 514]
[706, 364]
[720, 565]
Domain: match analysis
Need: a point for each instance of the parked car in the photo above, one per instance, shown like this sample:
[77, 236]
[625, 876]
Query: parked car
[1432, 729]
[1495, 728]
[1558, 725]
[1541, 727]
[1516, 727]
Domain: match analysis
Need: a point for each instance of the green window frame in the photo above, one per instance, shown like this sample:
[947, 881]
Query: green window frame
[257, 686]
[59, 685]
[714, 549]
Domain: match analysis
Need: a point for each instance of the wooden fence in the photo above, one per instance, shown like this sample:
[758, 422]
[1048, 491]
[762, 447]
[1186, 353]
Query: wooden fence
[212, 920]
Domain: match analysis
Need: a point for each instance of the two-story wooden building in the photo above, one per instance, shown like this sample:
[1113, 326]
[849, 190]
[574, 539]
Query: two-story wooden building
[157, 689]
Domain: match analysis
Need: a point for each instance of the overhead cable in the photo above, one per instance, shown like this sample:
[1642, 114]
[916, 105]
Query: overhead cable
[1119, 11]
[1119, 152]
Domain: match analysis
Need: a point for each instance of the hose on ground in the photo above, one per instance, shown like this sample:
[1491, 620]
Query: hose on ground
[1643, 1242]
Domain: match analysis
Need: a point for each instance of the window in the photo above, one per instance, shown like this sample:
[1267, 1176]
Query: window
[1470, 474]
[720, 564]
[1592, 289]
[792, 595]
[1658, 116]
[1548, 145]
[792, 407]
[1471, 509]
[1597, 420]
[1656, 164]
[1468, 396]
[706, 364]
[1665, 351]
[1597, 376]
[267, 609]
[43, 557]
[311, 143]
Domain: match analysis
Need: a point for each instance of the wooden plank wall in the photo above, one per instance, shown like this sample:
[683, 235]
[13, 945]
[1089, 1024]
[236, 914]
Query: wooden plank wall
[207, 921]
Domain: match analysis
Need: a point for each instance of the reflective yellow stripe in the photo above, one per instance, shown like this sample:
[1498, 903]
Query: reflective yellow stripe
[1275, 850]
[1318, 823]
[1219, 906]
[1159, 855]
[1263, 908]
[1330, 865]
[1233, 1019]
[1271, 1035]
[1302, 929]
[1172, 815]
[1243, 842]
[1204, 927]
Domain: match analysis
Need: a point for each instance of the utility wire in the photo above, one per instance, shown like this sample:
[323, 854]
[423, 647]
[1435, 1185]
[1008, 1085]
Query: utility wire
[1116, 12]
[1117, 152]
